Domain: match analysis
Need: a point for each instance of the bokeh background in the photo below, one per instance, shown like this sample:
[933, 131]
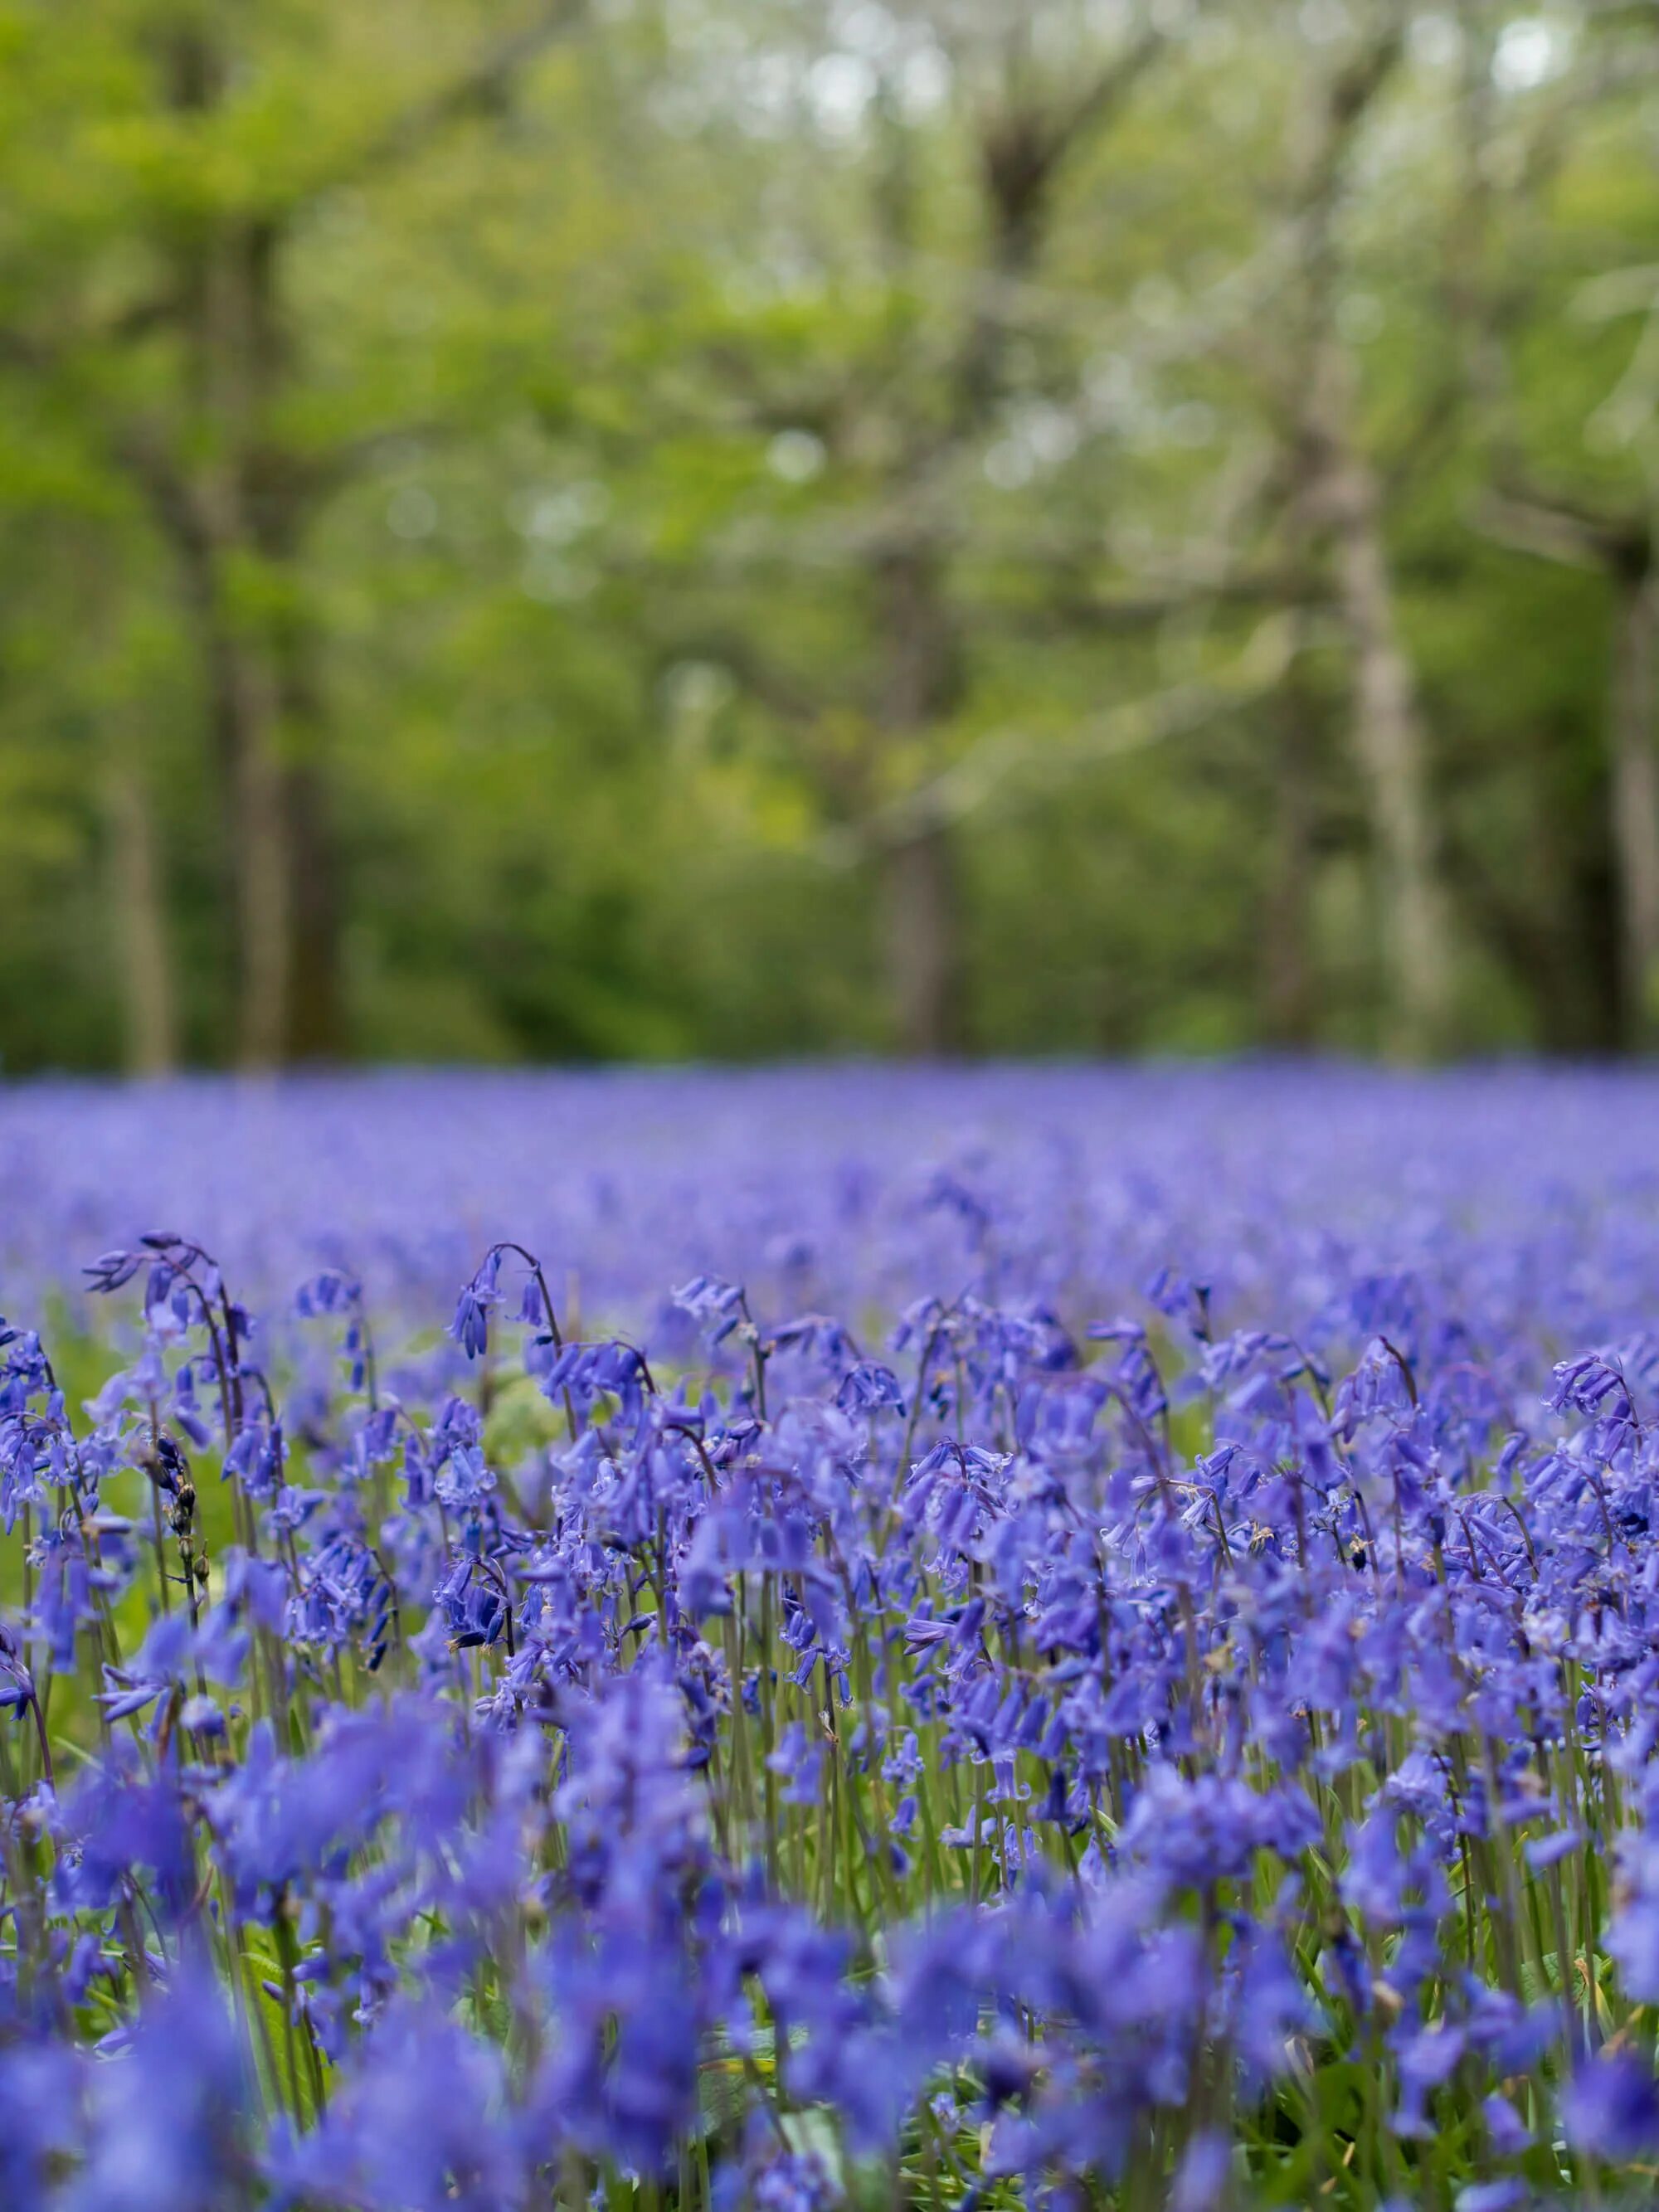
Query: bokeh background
[751, 528]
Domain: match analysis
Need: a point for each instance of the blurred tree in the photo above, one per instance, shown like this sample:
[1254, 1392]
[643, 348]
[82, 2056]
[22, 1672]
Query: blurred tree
[821, 524]
[1578, 157]
[1339, 490]
[164, 289]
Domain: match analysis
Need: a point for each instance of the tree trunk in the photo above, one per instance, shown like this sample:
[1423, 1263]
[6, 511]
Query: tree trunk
[136, 908]
[260, 857]
[315, 1028]
[315, 1016]
[242, 707]
[1389, 735]
[921, 680]
[1022, 147]
[220, 509]
[1287, 994]
[1634, 792]
[1338, 494]
[924, 966]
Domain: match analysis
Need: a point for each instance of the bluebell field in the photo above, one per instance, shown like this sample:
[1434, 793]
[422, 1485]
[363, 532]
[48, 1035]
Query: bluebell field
[1053, 1638]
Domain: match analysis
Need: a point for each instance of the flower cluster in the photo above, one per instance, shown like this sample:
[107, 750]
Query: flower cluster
[1045, 1737]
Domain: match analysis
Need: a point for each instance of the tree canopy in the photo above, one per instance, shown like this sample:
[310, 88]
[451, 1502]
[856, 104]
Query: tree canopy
[609, 528]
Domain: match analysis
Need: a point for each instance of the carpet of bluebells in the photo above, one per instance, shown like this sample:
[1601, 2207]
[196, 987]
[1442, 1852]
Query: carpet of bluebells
[1057, 1637]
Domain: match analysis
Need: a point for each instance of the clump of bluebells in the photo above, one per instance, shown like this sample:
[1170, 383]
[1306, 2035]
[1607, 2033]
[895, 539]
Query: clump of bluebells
[1004, 1752]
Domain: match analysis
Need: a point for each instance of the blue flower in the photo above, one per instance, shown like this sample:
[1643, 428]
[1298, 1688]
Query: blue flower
[1611, 2108]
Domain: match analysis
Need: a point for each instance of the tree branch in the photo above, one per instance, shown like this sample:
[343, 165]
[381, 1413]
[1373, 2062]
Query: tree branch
[1115, 612]
[1559, 530]
[478, 90]
[1109, 91]
[968, 783]
[752, 672]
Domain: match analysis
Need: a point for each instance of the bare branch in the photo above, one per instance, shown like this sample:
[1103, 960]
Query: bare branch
[1115, 613]
[969, 783]
[168, 494]
[1558, 530]
[753, 672]
[479, 89]
[1098, 101]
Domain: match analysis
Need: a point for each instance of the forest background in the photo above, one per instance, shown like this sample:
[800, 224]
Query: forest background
[725, 527]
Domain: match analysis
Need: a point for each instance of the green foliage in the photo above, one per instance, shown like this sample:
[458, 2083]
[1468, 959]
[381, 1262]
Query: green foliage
[565, 419]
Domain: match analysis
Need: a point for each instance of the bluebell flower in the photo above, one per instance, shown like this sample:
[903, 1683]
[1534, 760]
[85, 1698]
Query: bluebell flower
[1611, 2108]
